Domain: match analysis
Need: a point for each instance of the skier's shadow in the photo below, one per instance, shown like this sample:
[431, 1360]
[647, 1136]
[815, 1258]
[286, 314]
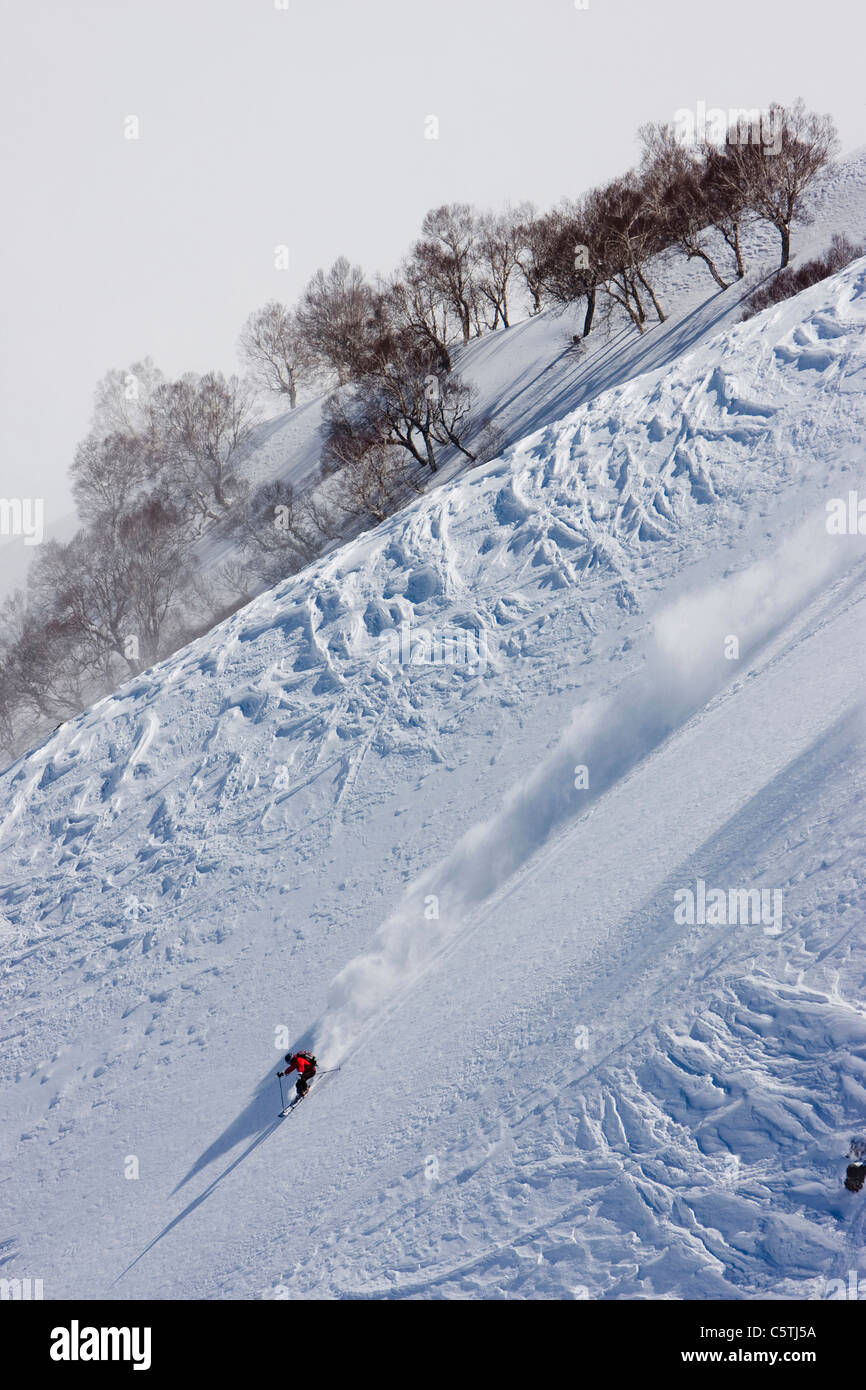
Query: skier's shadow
[259, 1119]
[202, 1197]
[252, 1120]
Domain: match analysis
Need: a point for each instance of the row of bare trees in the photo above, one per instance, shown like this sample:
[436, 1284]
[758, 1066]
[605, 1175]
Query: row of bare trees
[695, 199]
[161, 459]
[385, 348]
[463, 273]
[164, 460]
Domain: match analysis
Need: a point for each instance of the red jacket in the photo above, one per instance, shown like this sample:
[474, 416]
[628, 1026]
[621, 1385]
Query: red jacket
[302, 1065]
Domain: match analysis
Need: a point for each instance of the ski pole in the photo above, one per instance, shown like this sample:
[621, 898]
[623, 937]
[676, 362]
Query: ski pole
[282, 1097]
[323, 1071]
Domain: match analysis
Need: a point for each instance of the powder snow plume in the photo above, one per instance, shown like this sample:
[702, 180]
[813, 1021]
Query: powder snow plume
[684, 667]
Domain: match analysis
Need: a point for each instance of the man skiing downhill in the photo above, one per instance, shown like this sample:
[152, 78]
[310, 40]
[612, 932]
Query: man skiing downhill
[304, 1063]
[857, 1170]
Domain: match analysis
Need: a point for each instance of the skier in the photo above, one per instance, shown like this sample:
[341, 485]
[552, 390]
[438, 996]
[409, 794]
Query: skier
[304, 1063]
[856, 1171]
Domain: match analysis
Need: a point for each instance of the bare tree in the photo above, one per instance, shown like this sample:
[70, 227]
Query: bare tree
[152, 538]
[677, 190]
[565, 260]
[500, 241]
[779, 162]
[109, 472]
[9, 707]
[206, 424]
[276, 350]
[43, 671]
[12, 698]
[415, 304]
[403, 402]
[376, 482]
[421, 405]
[339, 315]
[530, 256]
[122, 400]
[112, 588]
[624, 236]
[728, 198]
[83, 588]
[48, 672]
[447, 257]
[280, 532]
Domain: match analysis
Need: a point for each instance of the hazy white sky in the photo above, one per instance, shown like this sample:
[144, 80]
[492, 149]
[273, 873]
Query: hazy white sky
[304, 125]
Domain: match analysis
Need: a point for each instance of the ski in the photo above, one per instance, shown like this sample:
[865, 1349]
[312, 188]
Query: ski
[291, 1105]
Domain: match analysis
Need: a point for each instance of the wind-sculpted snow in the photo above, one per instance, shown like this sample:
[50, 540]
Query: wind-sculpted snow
[352, 816]
[331, 663]
[684, 667]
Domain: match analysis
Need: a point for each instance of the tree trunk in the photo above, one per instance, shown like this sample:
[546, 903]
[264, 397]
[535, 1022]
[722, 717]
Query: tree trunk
[624, 300]
[467, 453]
[738, 252]
[590, 311]
[444, 356]
[784, 231]
[655, 303]
[631, 291]
[732, 237]
[431, 457]
[698, 251]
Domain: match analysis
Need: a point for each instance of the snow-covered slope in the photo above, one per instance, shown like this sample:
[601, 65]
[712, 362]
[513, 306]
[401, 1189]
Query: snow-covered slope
[528, 375]
[291, 833]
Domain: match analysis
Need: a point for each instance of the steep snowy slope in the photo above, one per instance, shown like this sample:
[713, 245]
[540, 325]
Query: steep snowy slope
[529, 375]
[549, 1086]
